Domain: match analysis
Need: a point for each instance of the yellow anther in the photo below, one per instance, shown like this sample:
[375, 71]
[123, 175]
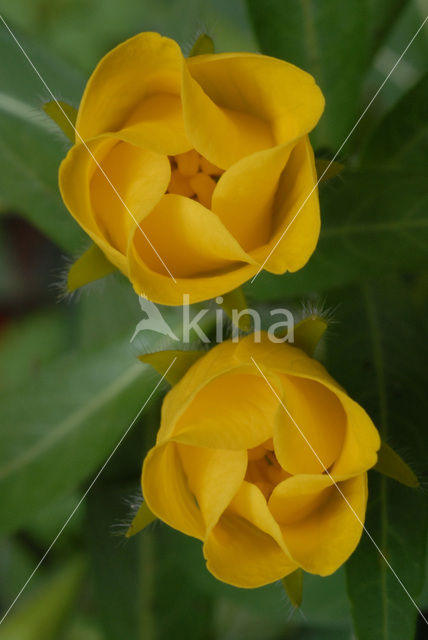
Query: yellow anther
[188, 163]
[203, 186]
[256, 453]
[209, 168]
[179, 184]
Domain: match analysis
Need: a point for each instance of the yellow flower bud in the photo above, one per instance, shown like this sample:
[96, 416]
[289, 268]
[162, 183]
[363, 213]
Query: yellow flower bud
[264, 457]
[194, 168]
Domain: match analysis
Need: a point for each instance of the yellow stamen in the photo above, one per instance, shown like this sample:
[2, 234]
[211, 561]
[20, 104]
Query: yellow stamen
[188, 163]
[203, 186]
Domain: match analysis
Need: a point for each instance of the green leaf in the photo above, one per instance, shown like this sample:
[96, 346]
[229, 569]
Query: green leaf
[326, 169]
[376, 221]
[400, 140]
[92, 265]
[161, 362]
[64, 115]
[293, 585]
[392, 465]
[41, 616]
[115, 565]
[388, 353]
[73, 408]
[30, 148]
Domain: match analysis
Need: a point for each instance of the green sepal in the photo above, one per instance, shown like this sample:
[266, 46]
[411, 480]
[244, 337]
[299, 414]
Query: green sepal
[142, 519]
[92, 265]
[293, 585]
[64, 115]
[309, 332]
[392, 465]
[203, 45]
[236, 300]
[161, 361]
[333, 170]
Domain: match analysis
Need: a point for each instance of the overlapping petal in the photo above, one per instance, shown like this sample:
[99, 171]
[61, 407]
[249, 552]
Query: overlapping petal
[325, 539]
[167, 493]
[246, 547]
[137, 69]
[270, 90]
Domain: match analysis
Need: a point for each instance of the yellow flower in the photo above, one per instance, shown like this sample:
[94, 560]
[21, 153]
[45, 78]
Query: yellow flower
[231, 467]
[203, 164]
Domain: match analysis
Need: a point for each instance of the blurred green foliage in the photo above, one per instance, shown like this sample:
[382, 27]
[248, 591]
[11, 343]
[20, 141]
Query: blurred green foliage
[69, 380]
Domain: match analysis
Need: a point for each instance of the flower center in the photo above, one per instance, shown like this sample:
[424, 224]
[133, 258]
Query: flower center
[193, 176]
[263, 468]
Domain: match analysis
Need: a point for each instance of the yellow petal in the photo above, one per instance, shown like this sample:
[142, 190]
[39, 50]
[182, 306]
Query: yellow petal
[268, 89]
[140, 178]
[324, 540]
[245, 193]
[141, 67]
[166, 491]
[296, 497]
[246, 547]
[230, 412]
[135, 176]
[214, 476]
[320, 420]
[361, 437]
[157, 124]
[244, 133]
[190, 239]
[296, 214]
[361, 443]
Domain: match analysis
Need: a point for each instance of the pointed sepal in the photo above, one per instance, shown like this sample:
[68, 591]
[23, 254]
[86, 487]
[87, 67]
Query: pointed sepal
[293, 585]
[326, 169]
[309, 332]
[232, 304]
[92, 265]
[392, 465]
[161, 361]
[203, 45]
[64, 115]
[141, 520]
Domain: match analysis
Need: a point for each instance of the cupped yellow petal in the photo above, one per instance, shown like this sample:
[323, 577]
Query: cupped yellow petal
[271, 90]
[310, 428]
[214, 477]
[167, 493]
[246, 548]
[236, 134]
[362, 441]
[157, 124]
[130, 182]
[75, 175]
[162, 289]
[189, 237]
[108, 186]
[296, 497]
[137, 69]
[244, 196]
[296, 214]
[321, 542]
[230, 412]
